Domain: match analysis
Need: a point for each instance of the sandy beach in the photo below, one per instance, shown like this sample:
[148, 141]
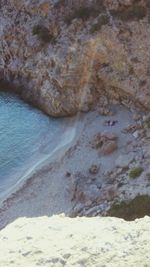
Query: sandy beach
[52, 187]
[40, 182]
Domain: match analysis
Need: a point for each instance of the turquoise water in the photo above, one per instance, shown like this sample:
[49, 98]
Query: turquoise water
[26, 135]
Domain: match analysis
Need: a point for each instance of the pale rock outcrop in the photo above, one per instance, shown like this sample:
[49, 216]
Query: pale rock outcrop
[61, 241]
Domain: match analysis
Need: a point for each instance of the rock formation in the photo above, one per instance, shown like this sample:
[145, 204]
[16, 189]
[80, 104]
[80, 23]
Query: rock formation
[62, 241]
[63, 55]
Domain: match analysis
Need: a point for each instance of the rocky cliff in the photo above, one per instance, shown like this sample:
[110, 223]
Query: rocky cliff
[61, 241]
[65, 55]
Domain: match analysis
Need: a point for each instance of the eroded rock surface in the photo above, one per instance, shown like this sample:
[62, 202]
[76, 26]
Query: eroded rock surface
[93, 48]
[61, 241]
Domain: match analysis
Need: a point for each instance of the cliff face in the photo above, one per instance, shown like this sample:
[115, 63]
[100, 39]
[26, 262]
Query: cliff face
[65, 55]
[60, 241]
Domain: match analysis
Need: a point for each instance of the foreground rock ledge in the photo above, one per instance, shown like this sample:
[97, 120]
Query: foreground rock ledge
[61, 241]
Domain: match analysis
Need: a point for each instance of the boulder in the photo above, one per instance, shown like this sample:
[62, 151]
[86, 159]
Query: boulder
[108, 148]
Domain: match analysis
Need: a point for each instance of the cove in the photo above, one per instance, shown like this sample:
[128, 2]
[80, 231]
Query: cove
[26, 137]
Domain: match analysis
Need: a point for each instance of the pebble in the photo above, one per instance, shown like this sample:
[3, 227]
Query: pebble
[135, 134]
[94, 169]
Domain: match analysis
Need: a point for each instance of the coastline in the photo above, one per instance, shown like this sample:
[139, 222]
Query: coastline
[56, 154]
[63, 183]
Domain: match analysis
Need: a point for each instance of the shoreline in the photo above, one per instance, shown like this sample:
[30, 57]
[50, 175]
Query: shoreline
[55, 155]
[65, 182]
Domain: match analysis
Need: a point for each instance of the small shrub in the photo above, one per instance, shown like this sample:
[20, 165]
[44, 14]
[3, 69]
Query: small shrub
[43, 34]
[134, 12]
[82, 13]
[136, 172]
[147, 3]
[103, 20]
[136, 208]
[148, 124]
[131, 70]
[142, 83]
[59, 3]
[85, 12]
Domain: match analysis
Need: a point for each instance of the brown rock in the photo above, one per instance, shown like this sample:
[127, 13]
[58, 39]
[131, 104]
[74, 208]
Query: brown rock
[109, 135]
[93, 169]
[109, 147]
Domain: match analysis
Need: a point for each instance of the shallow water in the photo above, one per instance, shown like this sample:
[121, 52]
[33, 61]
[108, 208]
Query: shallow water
[26, 135]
